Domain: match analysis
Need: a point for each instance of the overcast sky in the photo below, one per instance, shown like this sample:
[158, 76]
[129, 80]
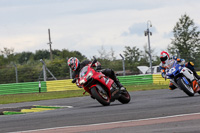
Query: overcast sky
[87, 25]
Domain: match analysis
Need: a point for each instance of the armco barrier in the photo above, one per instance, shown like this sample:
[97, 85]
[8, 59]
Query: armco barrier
[61, 85]
[16, 88]
[136, 79]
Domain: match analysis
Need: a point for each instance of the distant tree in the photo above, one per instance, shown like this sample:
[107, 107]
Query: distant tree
[112, 54]
[24, 57]
[41, 54]
[186, 38]
[78, 55]
[132, 54]
[103, 53]
[2, 60]
[145, 57]
[8, 54]
[56, 53]
[65, 53]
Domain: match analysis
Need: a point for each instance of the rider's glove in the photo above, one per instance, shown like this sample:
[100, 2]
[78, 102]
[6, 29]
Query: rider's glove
[181, 61]
[178, 60]
[77, 84]
[174, 57]
[163, 74]
[74, 81]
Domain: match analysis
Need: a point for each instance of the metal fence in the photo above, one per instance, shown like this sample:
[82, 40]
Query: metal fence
[33, 73]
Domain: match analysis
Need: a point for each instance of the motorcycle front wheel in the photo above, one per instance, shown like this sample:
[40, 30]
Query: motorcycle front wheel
[100, 95]
[186, 88]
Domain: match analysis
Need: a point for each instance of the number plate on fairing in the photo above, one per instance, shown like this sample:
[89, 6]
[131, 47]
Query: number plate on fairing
[106, 80]
[185, 80]
[171, 70]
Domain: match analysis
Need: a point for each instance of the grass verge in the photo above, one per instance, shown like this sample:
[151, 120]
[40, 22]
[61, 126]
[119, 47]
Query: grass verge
[16, 98]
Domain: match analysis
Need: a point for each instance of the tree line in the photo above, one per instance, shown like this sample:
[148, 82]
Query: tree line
[185, 40]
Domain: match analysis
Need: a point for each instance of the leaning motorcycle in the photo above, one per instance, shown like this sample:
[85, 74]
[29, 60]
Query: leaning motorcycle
[183, 78]
[101, 87]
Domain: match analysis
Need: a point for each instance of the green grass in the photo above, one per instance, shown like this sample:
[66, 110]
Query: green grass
[16, 98]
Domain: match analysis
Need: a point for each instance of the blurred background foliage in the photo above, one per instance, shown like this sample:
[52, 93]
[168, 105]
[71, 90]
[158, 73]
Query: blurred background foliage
[186, 40]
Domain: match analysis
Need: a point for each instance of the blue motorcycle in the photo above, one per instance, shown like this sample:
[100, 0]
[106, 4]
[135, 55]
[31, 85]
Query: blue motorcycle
[183, 78]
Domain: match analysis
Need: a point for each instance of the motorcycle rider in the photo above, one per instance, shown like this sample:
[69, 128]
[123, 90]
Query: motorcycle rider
[76, 66]
[167, 61]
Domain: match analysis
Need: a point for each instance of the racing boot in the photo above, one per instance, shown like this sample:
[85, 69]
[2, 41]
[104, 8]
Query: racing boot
[190, 65]
[114, 77]
[196, 75]
[172, 86]
[121, 87]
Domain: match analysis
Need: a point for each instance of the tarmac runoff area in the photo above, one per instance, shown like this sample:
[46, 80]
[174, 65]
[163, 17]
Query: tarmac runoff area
[120, 124]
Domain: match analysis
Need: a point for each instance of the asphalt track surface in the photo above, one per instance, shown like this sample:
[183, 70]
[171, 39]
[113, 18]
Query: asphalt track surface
[155, 111]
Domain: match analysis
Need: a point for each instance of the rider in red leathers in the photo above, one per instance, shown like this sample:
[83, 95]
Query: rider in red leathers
[76, 66]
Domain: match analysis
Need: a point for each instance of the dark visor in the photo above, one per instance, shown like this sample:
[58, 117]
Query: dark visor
[163, 58]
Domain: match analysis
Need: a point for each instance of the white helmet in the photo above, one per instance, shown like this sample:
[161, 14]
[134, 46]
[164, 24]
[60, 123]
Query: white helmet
[164, 56]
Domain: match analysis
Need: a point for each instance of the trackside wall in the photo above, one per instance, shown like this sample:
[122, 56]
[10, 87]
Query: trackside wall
[136, 79]
[16, 88]
[63, 85]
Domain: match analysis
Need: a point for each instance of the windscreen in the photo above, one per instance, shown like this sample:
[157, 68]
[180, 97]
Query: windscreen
[83, 71]
[171, 63]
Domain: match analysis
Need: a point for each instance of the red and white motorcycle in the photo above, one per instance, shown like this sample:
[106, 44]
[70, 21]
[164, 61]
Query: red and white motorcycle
[101, 87]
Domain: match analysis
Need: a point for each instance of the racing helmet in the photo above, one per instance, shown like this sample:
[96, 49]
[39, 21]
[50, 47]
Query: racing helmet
[73, 63]
[164, 56]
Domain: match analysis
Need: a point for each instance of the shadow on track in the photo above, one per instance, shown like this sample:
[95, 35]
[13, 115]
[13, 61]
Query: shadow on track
[183, 97]
[100, 106]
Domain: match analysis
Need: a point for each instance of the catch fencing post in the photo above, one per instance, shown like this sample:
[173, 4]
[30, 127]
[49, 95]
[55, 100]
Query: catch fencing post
[124, 73]
[44, 71]
[16, 75]
[39, 86]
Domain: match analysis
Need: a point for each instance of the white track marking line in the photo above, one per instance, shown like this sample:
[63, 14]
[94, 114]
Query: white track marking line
[55, 106]
[156, 118]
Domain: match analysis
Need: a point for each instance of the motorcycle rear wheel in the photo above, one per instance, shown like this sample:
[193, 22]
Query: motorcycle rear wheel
[100, 95]
[186, 88]
[125, 97]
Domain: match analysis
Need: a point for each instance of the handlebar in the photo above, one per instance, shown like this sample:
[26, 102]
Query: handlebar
[74, 80]
[94, 61]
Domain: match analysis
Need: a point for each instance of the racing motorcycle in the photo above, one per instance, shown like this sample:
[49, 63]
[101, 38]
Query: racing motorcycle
[183, 78]
[100, 87]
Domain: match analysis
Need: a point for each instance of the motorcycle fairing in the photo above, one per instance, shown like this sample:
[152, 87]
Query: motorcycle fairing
[188, 73]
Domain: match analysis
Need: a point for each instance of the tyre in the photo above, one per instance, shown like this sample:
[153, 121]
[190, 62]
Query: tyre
[125, 97]
[100, 95]
[186, 88]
